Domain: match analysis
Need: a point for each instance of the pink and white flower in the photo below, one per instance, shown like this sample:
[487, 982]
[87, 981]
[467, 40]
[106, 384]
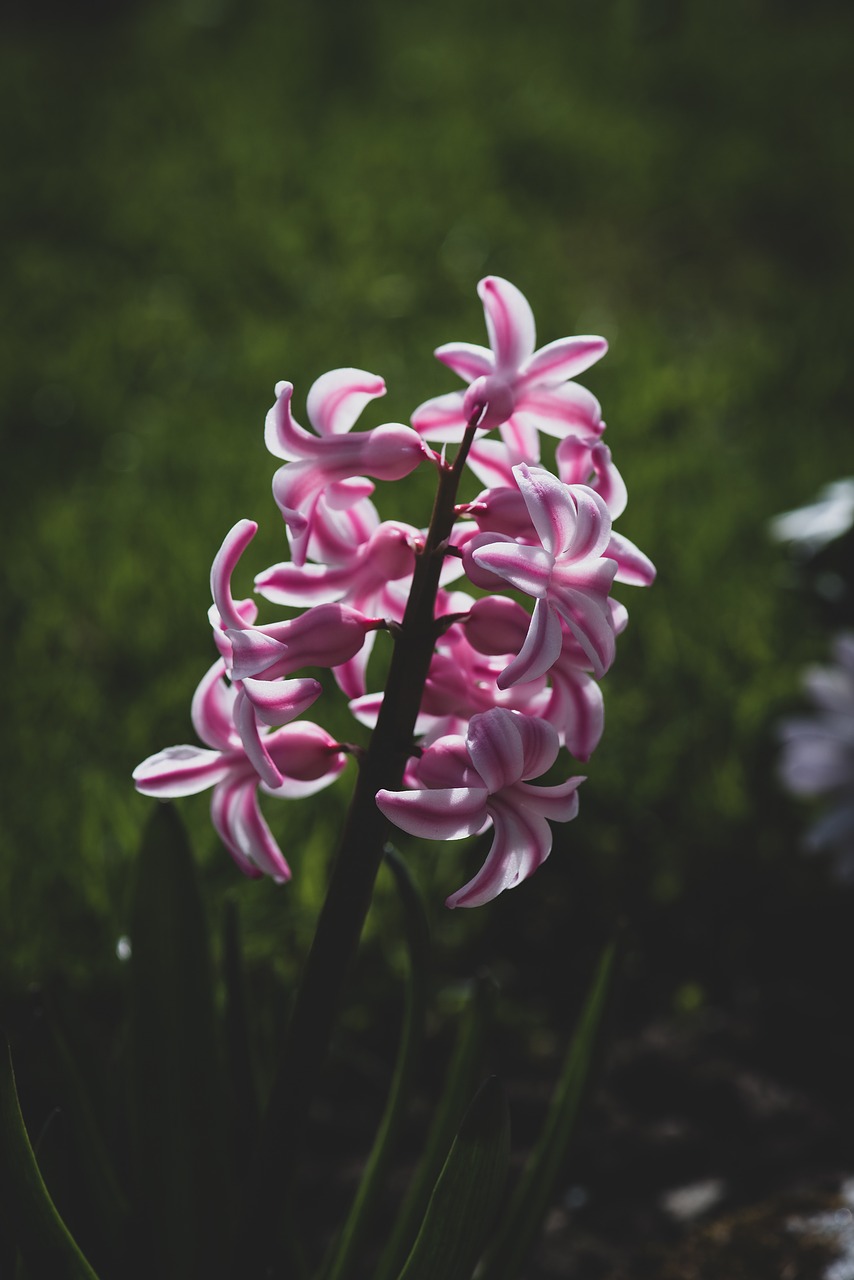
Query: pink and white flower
[328, 465]
[471, 783]
[568, 574]
[524, 391]
[305, 757]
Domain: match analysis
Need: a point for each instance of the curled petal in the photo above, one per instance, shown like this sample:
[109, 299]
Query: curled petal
[589, 620]
[223, 803]
[307, 757]
[448, 813]
[225, 561]
[246, 723]
[540, 650]
[558, 803]
[212, 707]
[277, 702]
[523, 841]
[577, 710]
[283, 436]
[242, 829]
[253, 652]
[633, 567]
[496, 748]
[586, 462]
[337, 398]
[551, 507]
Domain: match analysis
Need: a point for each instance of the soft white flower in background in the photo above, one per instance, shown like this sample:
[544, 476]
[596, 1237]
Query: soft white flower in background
[818, 754]
[811, 527]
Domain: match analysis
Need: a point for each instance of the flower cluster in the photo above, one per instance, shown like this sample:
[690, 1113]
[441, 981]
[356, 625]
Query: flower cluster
[502, 689]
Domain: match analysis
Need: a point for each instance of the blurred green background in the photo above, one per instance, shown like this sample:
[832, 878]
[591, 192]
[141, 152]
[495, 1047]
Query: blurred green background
[202, 197]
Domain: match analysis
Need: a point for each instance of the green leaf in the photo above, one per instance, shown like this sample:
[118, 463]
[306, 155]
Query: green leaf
[45, 1243]
[461, 1076]
[354, 1232]
[243, 1110]
[529, 1204]
[105, 1205]
[175, 1096]
[465, 1200]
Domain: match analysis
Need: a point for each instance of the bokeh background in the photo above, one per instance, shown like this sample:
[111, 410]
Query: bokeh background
[202, 197]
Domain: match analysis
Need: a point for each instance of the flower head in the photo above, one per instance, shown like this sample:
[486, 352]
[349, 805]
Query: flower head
[481, 780]
[523, 391]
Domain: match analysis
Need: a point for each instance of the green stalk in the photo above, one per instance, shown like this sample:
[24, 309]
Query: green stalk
[348, 899]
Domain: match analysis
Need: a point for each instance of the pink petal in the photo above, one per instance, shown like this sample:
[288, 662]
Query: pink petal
[593, 530]
[590, 623]
[560, 410]
[558, 803]
[540, 745]
[441, 418]
[235, 543]
[509, 322]
[277, 702]
[577, 711]
[252, 835]
[307, 584]
[254, 652]
[563, 359]
[283, 436]
[579, 460]
[181, 771]
[528, 569]
[225, 799]
[523, 840]
[495, 744]
[633, 567]
[337, 398]
[491, 462]
[446, 763]
[540, 650]
[446, 814]
[246, 723]
[466, 359]
[550, 505]
[212, 709]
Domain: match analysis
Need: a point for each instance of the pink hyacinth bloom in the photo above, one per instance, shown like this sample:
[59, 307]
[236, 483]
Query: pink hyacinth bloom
[573, 705]
[305, 756]
[330, 464]
[569, 574]
[327, 635]
[524, 391]
[468, 784]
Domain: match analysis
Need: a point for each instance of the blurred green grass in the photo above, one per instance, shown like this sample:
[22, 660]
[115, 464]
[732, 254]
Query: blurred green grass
[204, 197]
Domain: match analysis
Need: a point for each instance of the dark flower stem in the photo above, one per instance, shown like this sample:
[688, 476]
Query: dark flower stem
[348, 899]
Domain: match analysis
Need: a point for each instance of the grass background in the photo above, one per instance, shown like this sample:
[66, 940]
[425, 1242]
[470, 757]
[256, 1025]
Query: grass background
[203, 197]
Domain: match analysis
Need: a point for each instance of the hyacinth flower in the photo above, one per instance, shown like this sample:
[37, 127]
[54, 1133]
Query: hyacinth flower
[471, 783]
[305, 758]
[328, 465]
[523, 391]
[568, 573]
[482, 696]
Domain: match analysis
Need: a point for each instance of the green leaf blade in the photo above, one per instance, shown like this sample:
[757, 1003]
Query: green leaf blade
[467, 1195]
